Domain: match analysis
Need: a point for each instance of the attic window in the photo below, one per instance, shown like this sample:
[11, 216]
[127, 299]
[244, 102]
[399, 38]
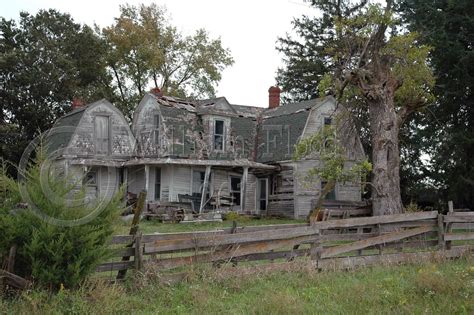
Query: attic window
[156, 129]
[219, 135]
[102, 134]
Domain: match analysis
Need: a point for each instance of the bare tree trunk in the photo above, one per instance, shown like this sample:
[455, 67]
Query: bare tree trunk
[385, 127]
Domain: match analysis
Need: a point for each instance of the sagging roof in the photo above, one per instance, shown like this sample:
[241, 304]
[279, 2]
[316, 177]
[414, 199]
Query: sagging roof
[173, 161]
[268, 135]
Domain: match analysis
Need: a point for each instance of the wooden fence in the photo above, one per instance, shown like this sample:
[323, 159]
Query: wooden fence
[330, 244]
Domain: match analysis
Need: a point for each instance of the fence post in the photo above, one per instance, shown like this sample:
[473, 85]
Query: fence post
[441, 243]
[316, 249]
[134, 229]
[450, 206]
[138, 251]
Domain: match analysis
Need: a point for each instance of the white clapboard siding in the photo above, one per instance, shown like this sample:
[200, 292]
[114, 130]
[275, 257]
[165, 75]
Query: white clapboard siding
[251, 191]
[136, 179]
[181, 182]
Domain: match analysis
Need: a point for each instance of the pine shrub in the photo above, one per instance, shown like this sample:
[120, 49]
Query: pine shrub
[52, 255]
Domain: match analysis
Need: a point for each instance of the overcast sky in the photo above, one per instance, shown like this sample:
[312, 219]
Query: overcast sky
[248, 28]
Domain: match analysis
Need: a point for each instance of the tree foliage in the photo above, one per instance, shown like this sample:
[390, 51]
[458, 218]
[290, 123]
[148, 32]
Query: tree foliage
[46, 60]
[145, 49]
[446, 134]
[305, 54]
[380, 73]
[333, 166]
[53, 255]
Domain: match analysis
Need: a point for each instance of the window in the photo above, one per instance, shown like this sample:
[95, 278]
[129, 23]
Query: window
[157, 183]
[156, 129]
[235, 182]
[262, 194]
[90, 183]
[219, 135]
[90, 179]
[328, 140]
[198, 183]
[331, 195]
[102, 134]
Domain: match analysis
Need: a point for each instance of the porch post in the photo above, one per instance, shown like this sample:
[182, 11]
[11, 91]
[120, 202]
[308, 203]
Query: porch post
[125, 180]
[147, 180]
[243, 188]
[204, 187]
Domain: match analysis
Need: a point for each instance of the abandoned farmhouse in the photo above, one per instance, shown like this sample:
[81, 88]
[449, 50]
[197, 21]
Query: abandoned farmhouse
[212, 153]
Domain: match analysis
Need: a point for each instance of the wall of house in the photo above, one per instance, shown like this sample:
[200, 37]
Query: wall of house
[107, 181]
[316, 118]
[136, 179]
[122, 142]
[281, 201]
[308, 189]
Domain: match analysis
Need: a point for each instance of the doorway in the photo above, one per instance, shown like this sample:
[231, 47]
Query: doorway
[262, 194]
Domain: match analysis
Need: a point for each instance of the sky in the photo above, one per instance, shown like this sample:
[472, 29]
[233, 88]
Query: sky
[248, 28]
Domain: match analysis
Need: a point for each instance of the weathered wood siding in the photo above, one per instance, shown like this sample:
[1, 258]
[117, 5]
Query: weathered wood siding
[83, 143]
[281, 199]
[136, 179]
[181, 182]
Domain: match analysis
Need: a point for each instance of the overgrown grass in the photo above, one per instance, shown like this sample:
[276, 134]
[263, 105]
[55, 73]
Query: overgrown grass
[154, 226]
[443, 288]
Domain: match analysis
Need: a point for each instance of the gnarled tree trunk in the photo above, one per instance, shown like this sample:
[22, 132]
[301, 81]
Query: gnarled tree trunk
[385, 127]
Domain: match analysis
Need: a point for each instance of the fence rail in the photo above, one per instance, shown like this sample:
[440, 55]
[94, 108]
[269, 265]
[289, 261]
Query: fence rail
[343, 243]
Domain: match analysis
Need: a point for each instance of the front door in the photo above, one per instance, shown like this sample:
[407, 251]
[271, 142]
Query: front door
[262, 194]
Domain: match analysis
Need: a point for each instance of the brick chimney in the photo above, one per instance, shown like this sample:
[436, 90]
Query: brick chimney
[274, 97]
[77, 103]
[156, 91]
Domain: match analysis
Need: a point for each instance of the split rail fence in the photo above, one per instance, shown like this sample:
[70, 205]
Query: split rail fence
[330, 244]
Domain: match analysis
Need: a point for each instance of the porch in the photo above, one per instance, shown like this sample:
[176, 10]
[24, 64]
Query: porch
[201, 185]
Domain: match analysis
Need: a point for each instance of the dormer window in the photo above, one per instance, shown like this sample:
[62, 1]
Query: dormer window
[102, 134]
[327, 139]
[156, 129]
[219, 135]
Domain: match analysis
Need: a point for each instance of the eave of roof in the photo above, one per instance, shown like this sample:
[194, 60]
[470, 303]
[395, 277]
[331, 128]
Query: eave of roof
[170, 161]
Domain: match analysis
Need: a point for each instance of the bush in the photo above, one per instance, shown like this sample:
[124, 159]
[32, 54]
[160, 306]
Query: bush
[53, 255]
[413, 207]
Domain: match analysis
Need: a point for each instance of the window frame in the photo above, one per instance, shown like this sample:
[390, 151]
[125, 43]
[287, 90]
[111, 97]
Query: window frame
[109, 134]
[158, 183]
[216, 135]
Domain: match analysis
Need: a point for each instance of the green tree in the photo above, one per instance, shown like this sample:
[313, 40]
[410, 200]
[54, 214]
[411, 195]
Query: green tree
[46, 60]
[53, 255]
[305, 54]
[379, 73]
[448, 131]
[146, 50]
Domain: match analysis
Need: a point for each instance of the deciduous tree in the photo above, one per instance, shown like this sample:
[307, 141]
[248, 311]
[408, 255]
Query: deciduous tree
[145, 49]
[45, 61]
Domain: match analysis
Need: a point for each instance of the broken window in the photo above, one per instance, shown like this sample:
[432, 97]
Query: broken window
[328, 139]
[219, 135]
[91, 185]
[235, 193]
[102, 134]
[157, 183]
[198, 183]
[331, 195]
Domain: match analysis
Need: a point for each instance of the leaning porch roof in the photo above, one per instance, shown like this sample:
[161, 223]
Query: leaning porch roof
[170, 161]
